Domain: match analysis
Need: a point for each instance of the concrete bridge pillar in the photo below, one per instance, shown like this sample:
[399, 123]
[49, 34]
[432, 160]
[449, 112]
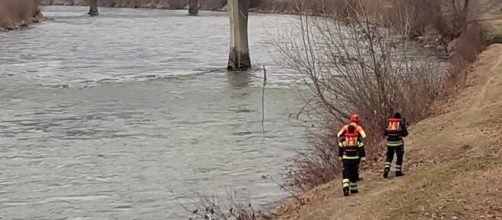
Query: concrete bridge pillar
[93, 5]
[193, 7]
[239, 49]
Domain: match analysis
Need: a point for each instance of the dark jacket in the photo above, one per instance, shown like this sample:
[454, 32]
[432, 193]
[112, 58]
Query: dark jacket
[396, 138]
[354, 153]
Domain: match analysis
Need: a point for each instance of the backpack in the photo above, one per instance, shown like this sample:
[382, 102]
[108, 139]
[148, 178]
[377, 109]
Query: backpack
[394, 125]
[351, 140]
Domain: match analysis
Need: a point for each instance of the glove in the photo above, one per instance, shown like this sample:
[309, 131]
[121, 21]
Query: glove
[340, 158]
[363, 158]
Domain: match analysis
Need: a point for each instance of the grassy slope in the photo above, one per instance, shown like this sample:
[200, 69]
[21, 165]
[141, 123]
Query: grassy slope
[492, 23]
[454, 163]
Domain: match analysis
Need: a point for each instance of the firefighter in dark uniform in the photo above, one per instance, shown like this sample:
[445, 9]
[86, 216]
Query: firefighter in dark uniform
[395, 131]
[354, 121]
[351, 152]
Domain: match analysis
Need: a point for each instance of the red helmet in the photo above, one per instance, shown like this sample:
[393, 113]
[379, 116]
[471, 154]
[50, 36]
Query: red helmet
[355, 118]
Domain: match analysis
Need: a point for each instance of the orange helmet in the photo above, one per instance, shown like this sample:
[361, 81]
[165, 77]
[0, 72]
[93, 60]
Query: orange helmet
[355, 118]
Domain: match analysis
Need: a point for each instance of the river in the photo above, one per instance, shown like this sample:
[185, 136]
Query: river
[126, 115]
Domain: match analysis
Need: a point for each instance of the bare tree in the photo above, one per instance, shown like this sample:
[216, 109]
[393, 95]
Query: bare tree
[460, 16]
[353, 66]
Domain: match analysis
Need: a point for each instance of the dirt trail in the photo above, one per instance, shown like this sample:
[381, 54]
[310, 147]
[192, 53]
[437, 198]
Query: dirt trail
[453, 161]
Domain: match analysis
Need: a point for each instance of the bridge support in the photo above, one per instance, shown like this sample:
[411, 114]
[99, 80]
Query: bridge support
[239, 49]
[193, 7]
[93, 5]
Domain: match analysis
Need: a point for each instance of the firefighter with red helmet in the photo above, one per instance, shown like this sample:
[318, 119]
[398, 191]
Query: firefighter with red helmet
[354, 120]
[395, 131]
[351, 152]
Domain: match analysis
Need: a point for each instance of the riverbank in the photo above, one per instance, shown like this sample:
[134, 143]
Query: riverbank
[15, 14]
[452, 158]
[437, 30]
[276, 6]
[453, 161]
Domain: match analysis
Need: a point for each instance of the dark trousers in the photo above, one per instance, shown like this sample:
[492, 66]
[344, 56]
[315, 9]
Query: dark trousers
[357, 169]
[399, 151]
[350, 170]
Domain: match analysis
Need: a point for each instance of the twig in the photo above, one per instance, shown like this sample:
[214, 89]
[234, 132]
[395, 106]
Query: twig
[263, 100]
[287, 189]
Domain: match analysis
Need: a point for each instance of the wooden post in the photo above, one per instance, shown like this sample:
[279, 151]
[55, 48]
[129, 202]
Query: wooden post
[93, 8]
[239, 49]
[193, 7]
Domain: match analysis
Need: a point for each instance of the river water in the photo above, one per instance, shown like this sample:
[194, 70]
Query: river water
[126, 115]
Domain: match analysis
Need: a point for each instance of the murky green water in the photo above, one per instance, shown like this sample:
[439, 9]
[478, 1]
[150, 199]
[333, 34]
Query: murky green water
[123, 115]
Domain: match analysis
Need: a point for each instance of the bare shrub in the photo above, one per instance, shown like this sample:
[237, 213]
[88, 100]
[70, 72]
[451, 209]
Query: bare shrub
[467, 47]
[357, 67]
[446, 17]
[230, 208]
[316, 166]
[18, 12]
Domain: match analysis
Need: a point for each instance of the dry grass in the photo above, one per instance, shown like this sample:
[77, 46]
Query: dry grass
[440, 192]
[492, 24]
[454, 162]
[229, 208]
[16, 13]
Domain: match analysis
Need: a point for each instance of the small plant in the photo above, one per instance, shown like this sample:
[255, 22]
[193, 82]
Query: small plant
[230, 208]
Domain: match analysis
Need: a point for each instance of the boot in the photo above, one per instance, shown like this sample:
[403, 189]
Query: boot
[354, 191]
[346, 191]
[386, 172]
[399, 173]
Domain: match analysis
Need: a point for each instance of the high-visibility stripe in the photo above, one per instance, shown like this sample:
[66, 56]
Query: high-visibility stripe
[344, 145]
[361, 132]
[387, 164]
[394, 143]
[398, 167]
[350, 157]
[353, 184]
[345, 182]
